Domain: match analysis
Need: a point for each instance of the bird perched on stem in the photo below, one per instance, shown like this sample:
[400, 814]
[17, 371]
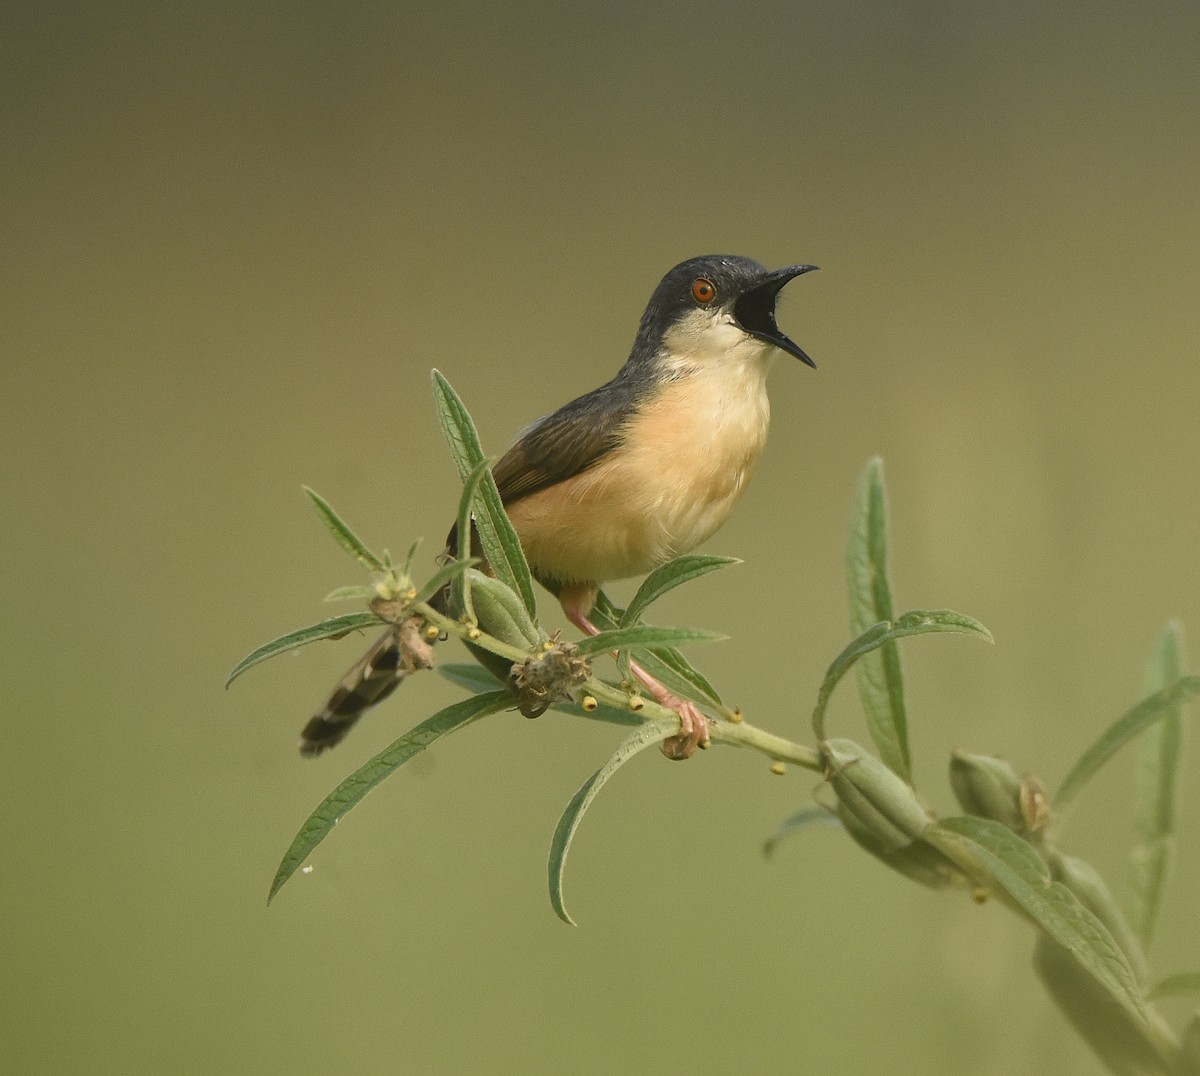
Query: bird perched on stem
[632, 474]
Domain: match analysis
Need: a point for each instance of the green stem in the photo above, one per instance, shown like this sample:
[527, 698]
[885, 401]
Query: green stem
[737, 733]
[741, 734]
[462, 631]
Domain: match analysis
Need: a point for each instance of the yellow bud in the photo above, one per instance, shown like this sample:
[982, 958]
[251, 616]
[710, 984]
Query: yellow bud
[589, 703]
[778, 768]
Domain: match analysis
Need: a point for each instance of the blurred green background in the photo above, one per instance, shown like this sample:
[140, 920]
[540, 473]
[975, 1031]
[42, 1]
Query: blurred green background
[236, 238]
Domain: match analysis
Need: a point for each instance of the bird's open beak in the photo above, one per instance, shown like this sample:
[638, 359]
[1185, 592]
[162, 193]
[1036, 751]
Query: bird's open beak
[755, 310]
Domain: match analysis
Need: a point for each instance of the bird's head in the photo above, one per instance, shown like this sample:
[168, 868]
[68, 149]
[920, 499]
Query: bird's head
[715, 307]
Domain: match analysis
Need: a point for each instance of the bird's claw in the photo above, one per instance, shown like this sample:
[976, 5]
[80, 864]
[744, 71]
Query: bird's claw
[693, 729]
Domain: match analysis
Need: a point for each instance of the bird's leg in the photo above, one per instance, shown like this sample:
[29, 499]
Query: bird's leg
[576, 600]
[693, 724]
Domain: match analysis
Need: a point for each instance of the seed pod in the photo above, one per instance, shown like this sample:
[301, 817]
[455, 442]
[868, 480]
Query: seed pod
[918, 861]
[988, 787]
[882, 803]
[501, 613]
[991, 788]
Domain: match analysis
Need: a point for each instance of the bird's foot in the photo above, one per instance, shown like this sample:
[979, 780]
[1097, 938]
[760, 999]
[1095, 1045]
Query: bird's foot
[693, 728]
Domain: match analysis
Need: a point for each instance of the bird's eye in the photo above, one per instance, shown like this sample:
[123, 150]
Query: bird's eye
[703, 290]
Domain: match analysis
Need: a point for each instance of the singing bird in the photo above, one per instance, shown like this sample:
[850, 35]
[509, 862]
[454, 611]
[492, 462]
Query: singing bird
[632, 474]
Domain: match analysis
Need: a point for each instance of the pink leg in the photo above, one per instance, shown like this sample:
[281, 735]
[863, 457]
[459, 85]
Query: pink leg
[693, 725]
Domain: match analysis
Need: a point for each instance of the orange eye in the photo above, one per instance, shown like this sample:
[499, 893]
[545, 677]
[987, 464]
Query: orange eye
[703, 290]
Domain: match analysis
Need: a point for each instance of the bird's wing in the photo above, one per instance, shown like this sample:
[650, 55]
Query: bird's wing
[563, 444]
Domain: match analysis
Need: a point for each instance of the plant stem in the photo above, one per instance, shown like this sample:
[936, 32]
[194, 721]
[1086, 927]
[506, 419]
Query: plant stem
[741, 734]
[737, 733]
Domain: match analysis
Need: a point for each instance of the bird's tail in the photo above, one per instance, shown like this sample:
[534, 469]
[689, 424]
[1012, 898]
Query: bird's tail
[397, 652]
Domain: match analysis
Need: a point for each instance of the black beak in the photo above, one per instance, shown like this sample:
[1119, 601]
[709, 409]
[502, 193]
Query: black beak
[755, 310]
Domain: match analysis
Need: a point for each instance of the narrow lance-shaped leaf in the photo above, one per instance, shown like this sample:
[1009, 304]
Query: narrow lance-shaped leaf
[344, 536]
[356, 592]
[666, 663]
[991, 853]
[681, 676]
[880, 678]
[1126, 1044]
[805, 818]
[500, 543]
[643, 635]
[441, 577]
[333, 628]
[1189, 1048]
[475, 678]
[666, 578]
[916, 622]
[462, 585]
[651, 732]
[1156, 804]
[1117, 735]
[1174, 986]
[351, 791]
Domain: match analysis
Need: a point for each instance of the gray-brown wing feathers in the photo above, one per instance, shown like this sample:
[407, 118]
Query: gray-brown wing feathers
[562, 445]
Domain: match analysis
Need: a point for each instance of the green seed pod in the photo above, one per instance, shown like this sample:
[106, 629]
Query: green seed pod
[918, 861]
[881, 803]
[991, 788]
[988, 787]
[501, 613]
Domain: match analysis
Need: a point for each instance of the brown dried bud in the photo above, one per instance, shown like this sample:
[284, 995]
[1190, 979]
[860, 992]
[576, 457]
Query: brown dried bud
[553, 677]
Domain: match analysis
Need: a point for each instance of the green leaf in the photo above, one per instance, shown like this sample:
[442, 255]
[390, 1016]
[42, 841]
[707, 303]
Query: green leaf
[991, 853]
[1174, 986]
[500, 543]
[357, 592]
[351, 791]
[1156, 804]
[462, 586]
[1124, 729]
[665, 663]
[1189, 1048]
[475, 678]
[344, 536]
[333, 628]
[805, 818]
[917, 622]
[643, 635]
[667, 577]
[651, 732]
[1126, 1043]
[880, 678]
[673, 669]
[441, 577]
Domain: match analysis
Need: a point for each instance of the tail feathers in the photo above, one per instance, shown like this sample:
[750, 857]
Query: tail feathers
[396, 653]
